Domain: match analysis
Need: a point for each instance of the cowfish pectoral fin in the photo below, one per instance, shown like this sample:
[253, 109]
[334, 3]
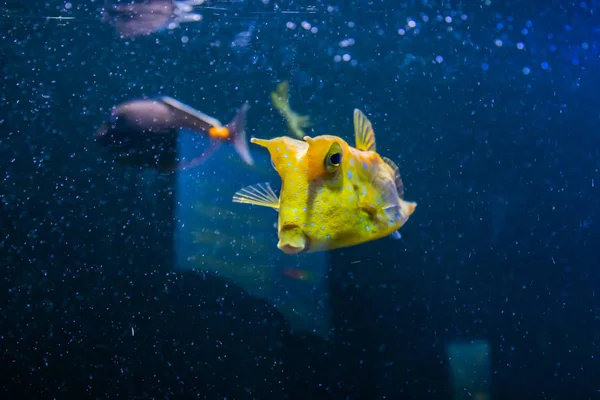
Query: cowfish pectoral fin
[363, 132]
[396, 235]
[260, 194]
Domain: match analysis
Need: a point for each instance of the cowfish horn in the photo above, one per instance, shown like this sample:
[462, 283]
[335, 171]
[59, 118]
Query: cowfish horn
[261, 142]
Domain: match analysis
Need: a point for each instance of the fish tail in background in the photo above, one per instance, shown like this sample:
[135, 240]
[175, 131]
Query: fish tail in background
[201, 159]
[237, 130]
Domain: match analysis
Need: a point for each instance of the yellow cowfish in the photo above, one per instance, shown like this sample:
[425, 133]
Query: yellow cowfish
[281, 101]
[332, 195]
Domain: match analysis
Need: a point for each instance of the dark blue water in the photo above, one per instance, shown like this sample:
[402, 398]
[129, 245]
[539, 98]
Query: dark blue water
[491, 112]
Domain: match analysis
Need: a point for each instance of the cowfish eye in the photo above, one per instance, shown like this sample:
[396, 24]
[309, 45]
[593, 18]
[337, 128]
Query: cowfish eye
[333, 158]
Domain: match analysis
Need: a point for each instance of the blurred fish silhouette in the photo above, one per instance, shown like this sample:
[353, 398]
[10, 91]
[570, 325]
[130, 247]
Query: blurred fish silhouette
[139, 19]
[144, 133]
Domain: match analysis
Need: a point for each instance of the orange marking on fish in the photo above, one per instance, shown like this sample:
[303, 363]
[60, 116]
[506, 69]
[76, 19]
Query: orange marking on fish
[219, 132]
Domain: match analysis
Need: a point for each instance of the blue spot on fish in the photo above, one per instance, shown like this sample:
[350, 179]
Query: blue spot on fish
[349, 174]
[364, 165]
[368, 227]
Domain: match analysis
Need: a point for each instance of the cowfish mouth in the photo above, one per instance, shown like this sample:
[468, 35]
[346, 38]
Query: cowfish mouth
[292, 240]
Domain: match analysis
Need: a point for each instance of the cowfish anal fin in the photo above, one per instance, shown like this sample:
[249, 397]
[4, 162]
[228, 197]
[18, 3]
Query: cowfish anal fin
[396, 235]
[260, 194]
[364, 135]
[397, 177]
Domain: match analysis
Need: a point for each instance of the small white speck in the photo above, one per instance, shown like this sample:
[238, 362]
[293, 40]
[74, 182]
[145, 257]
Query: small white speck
[132, 331]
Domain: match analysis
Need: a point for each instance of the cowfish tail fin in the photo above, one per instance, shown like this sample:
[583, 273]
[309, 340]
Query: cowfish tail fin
[363, 132]
[237, 130]
[260, 194]
[397, 177]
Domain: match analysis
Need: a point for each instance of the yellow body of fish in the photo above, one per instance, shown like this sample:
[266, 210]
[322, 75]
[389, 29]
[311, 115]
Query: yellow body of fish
[332, 195]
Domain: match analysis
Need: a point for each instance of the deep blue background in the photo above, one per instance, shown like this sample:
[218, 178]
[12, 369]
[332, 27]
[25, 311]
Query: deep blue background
[503, 245]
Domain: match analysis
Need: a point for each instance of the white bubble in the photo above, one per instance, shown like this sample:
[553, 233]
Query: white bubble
[448, 19]
[185, 39]
[346, 57]
[330, 9]
[526, 70]
[464, 17]
[498, 42]
[337, 58]
[401, 32]
[68, 6]
[412, 24]
[439, 59]
[306, 25]
[351, 24]
[290, 25]
[520, 45]
[314, 29]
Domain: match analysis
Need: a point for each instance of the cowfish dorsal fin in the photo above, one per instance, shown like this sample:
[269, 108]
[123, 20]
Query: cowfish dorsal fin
[364, 135]
[260, 194]
[397, 177]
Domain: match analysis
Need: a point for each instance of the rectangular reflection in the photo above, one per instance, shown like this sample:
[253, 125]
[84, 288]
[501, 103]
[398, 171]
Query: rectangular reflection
[238, 242]
[470, 369]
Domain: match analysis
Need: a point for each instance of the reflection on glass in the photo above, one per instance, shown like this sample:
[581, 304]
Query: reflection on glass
[470, 369]
[239, 243]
